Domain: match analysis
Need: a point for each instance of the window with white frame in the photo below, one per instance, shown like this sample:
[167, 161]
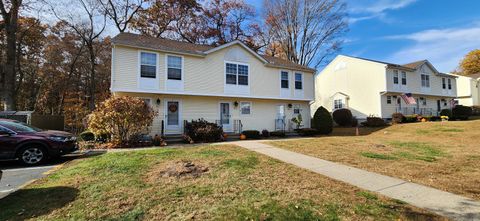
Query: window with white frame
[298, 81]
[148, 65]
[337, 104]
[444, 83]
[449, 84]
[425, 80]
[389, 99]
[174, 65]
[395, 76]
[284, 79]
[297, 109]
[404, 78]
[245, 108]
[236, 74]
[424, 101]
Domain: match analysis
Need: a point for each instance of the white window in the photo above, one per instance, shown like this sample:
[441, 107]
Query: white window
[449, 84]
[298, 81]
[425, 80]
[245, 108]
[147, 101]
[424, 101]
[337, 104]
[389, 99]
[174, 65]
[404, 78]
[148, 65]
[284, 80]
[395, 76]
[236, 74]
[296, 109]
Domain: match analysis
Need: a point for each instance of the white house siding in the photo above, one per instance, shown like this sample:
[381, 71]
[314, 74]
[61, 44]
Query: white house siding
[362, 81]
[389, 109]
[468, 91]
[263, 111]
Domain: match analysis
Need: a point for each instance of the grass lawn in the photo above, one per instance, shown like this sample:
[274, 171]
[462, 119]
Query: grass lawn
[239, 185]
[442, 155]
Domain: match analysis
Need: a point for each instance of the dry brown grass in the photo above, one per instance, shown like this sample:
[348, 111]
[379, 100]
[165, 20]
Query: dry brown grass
[442, 155]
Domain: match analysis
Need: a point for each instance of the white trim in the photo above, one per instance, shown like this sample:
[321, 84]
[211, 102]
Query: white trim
[236, 88]
[180, 117]
[226, 127]
[300, 93]
[285, 92]
[207, 94]
[240, 109]
[234, 43]
[112, 67]
[181, 83]
[157, 69]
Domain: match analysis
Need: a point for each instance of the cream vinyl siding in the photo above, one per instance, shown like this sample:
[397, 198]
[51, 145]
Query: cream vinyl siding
[205, 75]
[468, 90]
[262, 116]
[361, 80]
[389, 109]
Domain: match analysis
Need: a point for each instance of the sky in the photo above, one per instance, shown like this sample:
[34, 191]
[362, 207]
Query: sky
[403, 31]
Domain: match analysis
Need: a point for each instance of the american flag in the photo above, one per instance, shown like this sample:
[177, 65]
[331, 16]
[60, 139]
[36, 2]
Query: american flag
[453, 103]
[407, 97]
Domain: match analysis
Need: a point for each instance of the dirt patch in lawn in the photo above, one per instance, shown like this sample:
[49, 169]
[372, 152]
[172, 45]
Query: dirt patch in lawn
[178, 169]
[442, 155]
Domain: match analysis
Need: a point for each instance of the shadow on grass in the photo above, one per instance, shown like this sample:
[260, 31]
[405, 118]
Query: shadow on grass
[34, 202]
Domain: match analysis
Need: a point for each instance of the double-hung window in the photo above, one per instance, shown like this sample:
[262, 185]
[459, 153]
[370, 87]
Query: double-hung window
[298, 81]
[174, 65]
[284, 80]
[236, 74]
[404, 78]
[449, 84]
[425, 80]
[395, 76]
[389, 99]
[245, 108]
[337, 104]
[444, 83]
[148, 65]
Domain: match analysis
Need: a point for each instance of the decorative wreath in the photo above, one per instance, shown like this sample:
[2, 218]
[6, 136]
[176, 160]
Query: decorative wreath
[172, 108]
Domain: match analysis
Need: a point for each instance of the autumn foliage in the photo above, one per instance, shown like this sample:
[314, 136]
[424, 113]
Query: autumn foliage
[471, 63]
[121, 117]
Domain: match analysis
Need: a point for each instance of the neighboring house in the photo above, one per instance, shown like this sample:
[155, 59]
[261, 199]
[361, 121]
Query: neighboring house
[230, 85]
[468, 91]
[368, 87]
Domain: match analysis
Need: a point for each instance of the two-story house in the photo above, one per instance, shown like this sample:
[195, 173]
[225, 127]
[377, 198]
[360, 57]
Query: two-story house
[231, 84]
[468, 90]
[368, 87]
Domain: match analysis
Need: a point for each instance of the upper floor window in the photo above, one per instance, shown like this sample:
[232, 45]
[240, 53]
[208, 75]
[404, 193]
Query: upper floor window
[404, 78]
[245, 108]
[284, 80]
[395, 76]
[298, 81]
[236, 74]
[449, 84]
[389, 99]
[425, 80]
[444, 84]
[148, 65]
[338, 104]
[174, 65]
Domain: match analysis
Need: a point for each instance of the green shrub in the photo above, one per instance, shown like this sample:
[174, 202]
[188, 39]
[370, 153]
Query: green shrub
[435, 118]
[374, 122]
[354, 121]
[322, 121]
[277, 134]
[87, 136]
[397, 118]
[251, 134]
[476, 110]
[410, 118]
[307, 132]
[343, 117]
[203, 131]
[461, 112]
[265, 133]
[446, 112]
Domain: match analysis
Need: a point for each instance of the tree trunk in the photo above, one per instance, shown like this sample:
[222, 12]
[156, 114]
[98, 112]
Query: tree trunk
[9, 71]
[91, 91]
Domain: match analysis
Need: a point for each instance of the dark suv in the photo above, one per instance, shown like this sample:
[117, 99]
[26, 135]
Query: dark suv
[32, 146]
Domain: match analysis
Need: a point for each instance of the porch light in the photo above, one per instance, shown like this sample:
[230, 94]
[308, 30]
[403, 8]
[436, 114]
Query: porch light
[235, 103]
[158, 101]
[290, 105]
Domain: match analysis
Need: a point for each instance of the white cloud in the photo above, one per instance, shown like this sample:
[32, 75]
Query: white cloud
[370, 9]
[443, 47]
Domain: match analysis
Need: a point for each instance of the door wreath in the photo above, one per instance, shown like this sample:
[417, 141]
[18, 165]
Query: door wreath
[172, 108]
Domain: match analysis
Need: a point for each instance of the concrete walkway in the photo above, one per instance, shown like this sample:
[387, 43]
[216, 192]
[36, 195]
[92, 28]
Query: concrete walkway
[437, 201]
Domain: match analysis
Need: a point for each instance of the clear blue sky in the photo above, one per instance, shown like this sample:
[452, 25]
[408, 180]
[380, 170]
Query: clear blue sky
[402, 31]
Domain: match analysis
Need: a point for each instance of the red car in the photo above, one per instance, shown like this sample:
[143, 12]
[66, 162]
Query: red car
[31, 145]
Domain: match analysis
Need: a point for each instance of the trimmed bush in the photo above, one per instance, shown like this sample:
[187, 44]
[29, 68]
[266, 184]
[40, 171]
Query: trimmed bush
[322, 121]
[87, 136]
[435, 118]
[251, 134]
[277, 134]
[397, 118]
[410, 118]
[446, 112]
[307, 132]
[203, 131]
[374, 122]
[476, 110]
[461, 112]
[354, 121]
[343, 117]
[265, 133]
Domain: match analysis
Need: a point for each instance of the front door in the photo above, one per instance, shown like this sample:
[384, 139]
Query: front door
[173, 117]
[225, 116]
[439, 106]
[280, 118]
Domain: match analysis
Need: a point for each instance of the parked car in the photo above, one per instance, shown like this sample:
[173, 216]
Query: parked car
[31, 145]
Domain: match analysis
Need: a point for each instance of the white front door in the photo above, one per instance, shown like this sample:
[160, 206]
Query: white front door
[225, 116]
[173, 118]
[280, 118]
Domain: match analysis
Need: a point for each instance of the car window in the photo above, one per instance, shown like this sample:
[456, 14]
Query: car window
[18, 126]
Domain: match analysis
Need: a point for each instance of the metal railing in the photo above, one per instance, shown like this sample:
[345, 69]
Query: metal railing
[280, 124]
[415, 110]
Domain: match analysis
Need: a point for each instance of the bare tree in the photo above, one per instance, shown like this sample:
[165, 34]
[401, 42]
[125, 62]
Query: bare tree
[9, 10]
[121, 12]
[308, 31]
[89, 23]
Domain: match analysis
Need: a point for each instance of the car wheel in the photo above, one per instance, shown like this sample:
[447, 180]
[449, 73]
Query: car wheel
[32, 155]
